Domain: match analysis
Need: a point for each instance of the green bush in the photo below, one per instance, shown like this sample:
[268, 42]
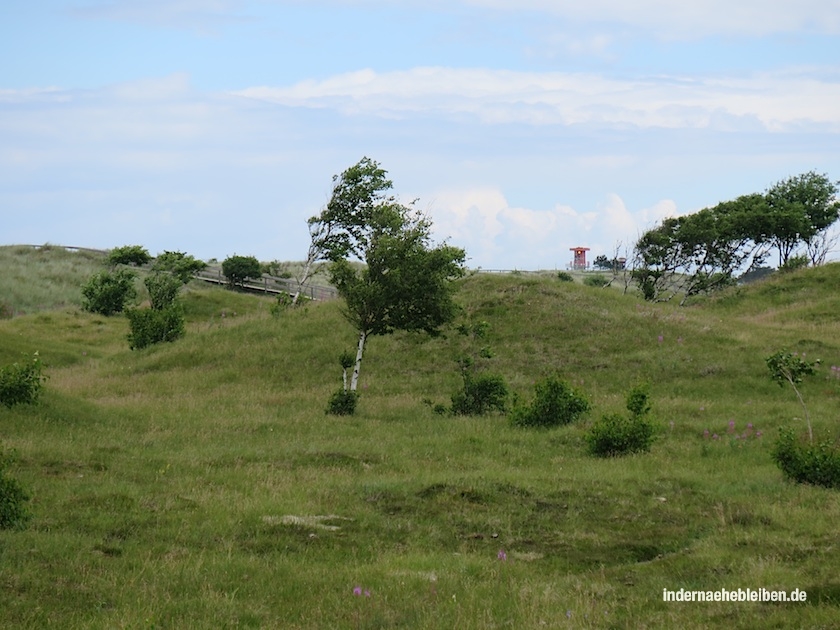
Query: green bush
[163, 289]
[343, 403]
[616, 435]
[481, 394]
[596, 280]
[20, 383]
[795, 262]
[237, 269]
[181, 265]
[150, 326]
[13, 498]
[555, 403]
[107, 292]
[817, 464]
[565, 276]
[129, 255]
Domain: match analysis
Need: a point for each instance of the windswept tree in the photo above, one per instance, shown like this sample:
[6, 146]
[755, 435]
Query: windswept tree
[404, 282]
[701, 252]
[340, 229]
[801, 210]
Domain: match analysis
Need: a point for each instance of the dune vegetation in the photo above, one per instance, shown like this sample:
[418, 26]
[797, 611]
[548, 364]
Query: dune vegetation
[200, 484]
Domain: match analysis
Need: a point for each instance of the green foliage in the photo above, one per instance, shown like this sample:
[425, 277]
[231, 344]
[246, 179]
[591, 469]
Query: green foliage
[20, 383]
[13, 511]
[183, 266]
[638, 401]
[787, 367]
[343, 403]
[281, 304]
[615, 435]
[163, 289]
[817, 464]
[405, 283]
[565, 276]
[700, 253]
[794, 263]
[108, 292]
[151, 326]
[596, 280]
[129, 255]
[238, 269]
[555, 403]
[480, 395]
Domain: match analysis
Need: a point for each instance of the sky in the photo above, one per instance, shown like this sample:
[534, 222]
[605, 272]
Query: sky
[523, 128]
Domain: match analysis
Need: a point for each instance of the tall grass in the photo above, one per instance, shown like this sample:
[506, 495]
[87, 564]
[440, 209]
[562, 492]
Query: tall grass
[200, 483]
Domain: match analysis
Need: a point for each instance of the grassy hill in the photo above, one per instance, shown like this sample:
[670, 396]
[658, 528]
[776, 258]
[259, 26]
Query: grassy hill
[200, 484]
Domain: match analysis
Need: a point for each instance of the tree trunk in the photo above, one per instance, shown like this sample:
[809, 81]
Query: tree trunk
[354, 381]
[307, 272]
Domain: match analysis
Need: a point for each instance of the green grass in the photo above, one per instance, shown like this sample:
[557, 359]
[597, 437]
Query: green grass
[200, 484]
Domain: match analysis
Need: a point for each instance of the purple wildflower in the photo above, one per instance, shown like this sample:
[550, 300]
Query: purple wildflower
[502, 555]
[357, 591]
[660, 338]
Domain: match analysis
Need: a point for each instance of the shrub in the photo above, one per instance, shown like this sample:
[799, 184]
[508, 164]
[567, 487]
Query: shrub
[237, 269]
[555, 403]
[163, 289]
[481, 394]
[616, 435]
[150, 326]
[181, 265]
[794, 262]
[108, 292]
[281, 304]
[129, 255]
[20, 383]
[13, 498]
[565, 276]
[596, 280]
[817, 464]
[343, 403]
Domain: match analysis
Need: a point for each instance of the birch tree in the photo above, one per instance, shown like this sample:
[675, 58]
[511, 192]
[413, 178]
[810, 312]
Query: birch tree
[404, 281]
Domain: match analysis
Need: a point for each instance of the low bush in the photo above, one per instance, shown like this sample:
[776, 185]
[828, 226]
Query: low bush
[108, 292]
[163, 289]
[151, 326]
[343, 403]
[238, 269]
[565, 276]
[20, 383]
[13, 510]
[129, 255]
[615, 435]
[555, 403]
[181, 265]
[817, 464]
[596, 280]
[481, 394]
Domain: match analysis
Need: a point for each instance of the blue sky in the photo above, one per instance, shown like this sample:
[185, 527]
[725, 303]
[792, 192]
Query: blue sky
[523, 127]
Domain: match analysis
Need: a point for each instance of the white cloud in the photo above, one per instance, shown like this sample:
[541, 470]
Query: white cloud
[497, 235]
[677, 19]
[666, 19]
[775, 100]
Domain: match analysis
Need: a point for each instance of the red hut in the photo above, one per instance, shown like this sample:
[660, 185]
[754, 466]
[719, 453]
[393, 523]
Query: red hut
[580, 257]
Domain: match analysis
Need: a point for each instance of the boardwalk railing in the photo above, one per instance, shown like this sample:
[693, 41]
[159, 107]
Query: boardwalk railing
[271, 285]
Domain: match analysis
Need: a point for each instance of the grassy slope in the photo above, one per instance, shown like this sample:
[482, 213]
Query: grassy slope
[165, 480]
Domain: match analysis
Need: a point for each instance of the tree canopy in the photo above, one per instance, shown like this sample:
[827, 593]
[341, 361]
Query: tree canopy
[404, 281]
[702, 252]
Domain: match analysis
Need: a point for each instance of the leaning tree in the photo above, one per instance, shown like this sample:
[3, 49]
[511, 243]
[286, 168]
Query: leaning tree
[404, 280]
